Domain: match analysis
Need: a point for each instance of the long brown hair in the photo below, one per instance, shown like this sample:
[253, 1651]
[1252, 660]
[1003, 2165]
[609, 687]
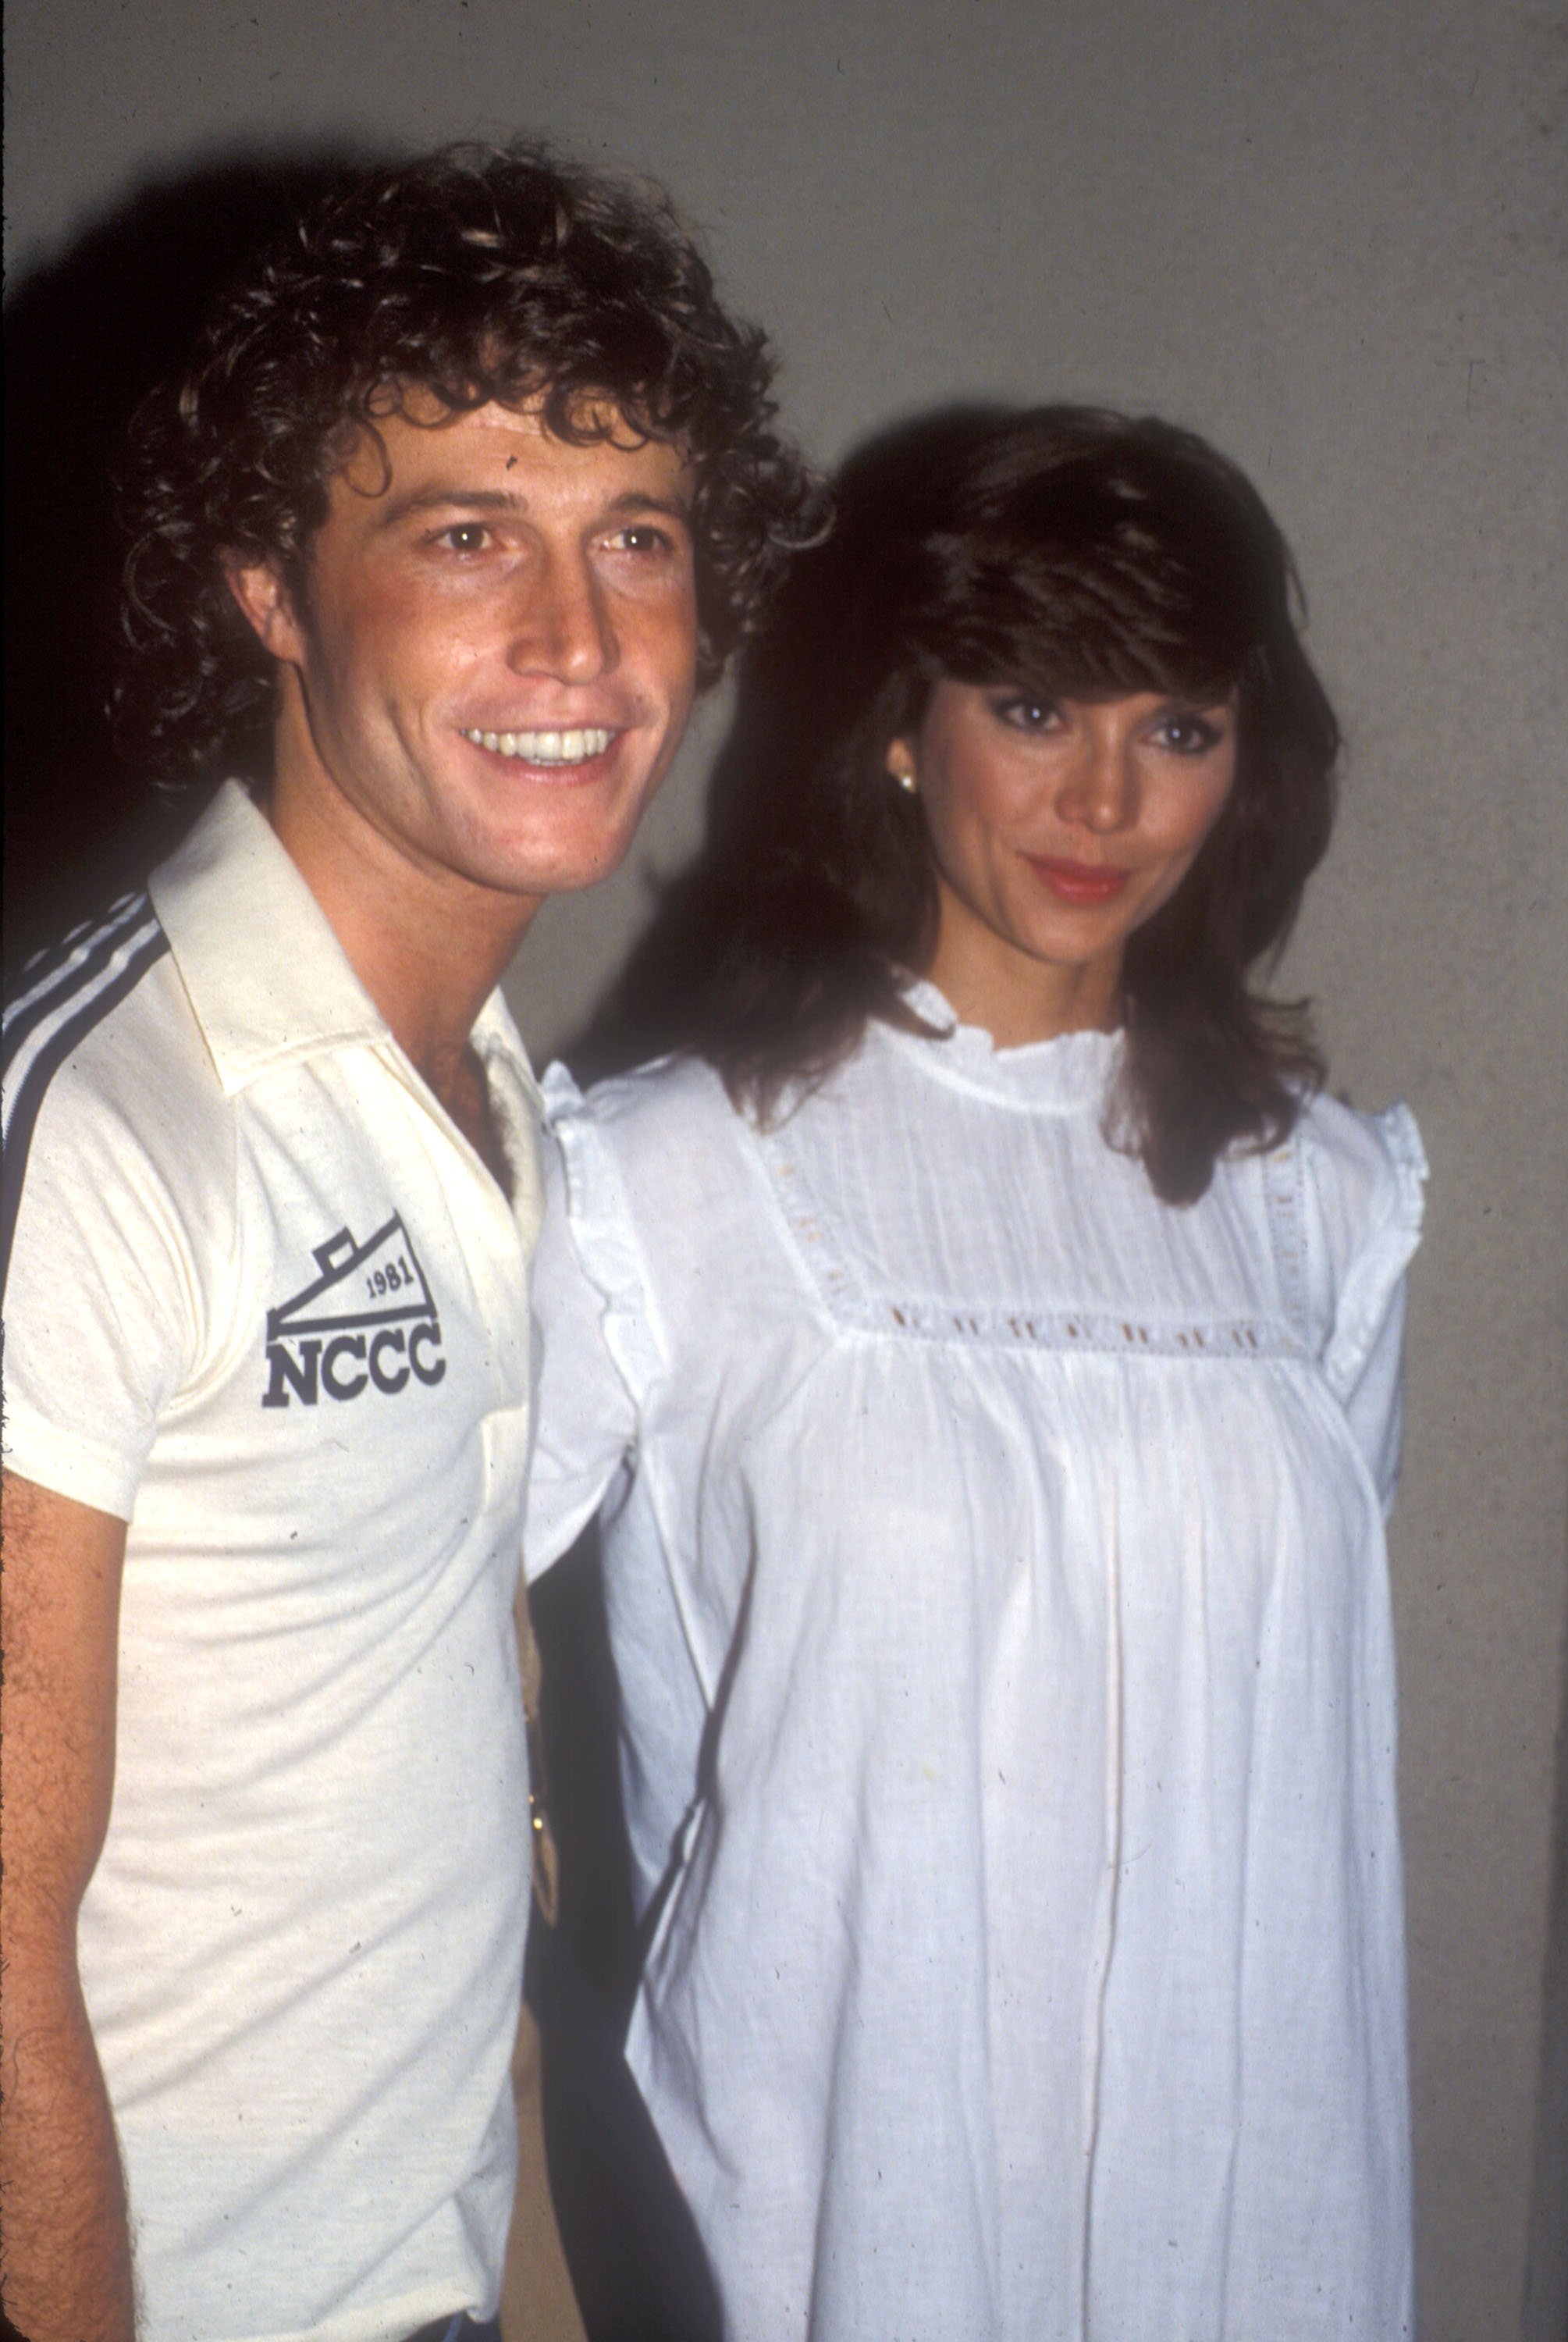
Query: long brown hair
[1065, 550]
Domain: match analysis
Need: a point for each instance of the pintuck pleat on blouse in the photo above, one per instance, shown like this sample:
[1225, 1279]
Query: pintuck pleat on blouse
[994, 1560]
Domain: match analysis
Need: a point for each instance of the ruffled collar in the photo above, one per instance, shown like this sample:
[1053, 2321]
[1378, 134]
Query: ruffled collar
[1072, 1070]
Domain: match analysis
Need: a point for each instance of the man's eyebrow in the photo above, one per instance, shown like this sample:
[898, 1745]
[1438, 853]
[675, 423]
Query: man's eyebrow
[636, 500]
[446, 496]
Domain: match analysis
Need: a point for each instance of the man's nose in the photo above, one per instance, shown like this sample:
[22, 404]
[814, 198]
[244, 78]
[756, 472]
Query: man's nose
[561, 625]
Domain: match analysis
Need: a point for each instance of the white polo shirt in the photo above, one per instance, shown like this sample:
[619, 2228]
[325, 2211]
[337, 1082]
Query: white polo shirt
[264, 1302]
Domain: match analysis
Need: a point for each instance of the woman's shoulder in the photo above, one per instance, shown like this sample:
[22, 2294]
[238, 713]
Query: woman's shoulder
[1364, 1177]
[660, 1146]
[1365, 1166]
[667, 1104]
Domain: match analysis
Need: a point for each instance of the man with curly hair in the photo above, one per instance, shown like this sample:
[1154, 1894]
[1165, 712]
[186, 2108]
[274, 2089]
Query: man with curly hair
[470, 486]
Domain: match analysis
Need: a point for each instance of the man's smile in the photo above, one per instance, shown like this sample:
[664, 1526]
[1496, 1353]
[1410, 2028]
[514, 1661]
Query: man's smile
[573, 748]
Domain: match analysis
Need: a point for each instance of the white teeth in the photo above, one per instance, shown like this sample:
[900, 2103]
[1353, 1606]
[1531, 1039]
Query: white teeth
[545, 747]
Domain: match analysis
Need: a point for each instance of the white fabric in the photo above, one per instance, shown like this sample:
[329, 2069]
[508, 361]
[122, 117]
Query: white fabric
[301, 1949]
[1032, 1965]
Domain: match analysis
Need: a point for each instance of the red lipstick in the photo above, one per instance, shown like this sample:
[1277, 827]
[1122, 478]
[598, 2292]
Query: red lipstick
[1080, 882]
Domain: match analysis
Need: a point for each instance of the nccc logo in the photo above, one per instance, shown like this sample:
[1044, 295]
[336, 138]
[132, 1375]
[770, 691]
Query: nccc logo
[366, 1323]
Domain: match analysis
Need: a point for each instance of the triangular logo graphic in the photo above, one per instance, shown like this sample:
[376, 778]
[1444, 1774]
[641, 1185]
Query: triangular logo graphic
[366, 1323]
[377, 1283]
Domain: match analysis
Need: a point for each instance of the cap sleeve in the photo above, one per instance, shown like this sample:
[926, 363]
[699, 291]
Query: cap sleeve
[1370, 1191]
[595, 1351]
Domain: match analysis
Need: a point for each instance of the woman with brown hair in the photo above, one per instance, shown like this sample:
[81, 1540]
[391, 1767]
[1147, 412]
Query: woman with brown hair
[980, 1342]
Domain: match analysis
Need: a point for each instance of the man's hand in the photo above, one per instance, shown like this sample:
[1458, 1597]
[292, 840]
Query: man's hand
[66, 2272]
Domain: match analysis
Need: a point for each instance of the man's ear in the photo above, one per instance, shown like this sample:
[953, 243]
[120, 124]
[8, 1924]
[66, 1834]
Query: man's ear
[258, 588]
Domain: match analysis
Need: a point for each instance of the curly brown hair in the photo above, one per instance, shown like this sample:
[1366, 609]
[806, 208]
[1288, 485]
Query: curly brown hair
[479, 275]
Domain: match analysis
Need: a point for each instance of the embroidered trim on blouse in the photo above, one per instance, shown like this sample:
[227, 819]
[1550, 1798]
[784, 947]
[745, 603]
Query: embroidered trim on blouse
[1285, 1203]
[852, 1302]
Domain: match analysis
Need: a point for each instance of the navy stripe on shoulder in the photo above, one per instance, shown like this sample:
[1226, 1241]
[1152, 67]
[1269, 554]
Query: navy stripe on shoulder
[105, 967]
[69, 968]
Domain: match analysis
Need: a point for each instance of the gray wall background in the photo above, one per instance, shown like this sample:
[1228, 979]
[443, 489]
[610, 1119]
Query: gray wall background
[1334, 239]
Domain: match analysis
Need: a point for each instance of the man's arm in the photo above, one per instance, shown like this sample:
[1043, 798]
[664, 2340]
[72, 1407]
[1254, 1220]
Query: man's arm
[66, 2272]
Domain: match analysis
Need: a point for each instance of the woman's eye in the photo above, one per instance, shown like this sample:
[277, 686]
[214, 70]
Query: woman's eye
[643, 538]
[1189, 735]
[1026, 714]
[465, 536]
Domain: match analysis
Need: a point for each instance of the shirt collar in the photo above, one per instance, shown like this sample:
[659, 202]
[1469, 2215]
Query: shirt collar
[266, 977]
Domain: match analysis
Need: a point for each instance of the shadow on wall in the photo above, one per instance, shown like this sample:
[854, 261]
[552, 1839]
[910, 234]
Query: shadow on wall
[86, 337]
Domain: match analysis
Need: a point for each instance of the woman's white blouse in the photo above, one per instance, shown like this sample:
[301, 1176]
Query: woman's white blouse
[995, 1571]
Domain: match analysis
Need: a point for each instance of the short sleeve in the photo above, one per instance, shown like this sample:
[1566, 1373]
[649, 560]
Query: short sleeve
[591, 1333]
[1371, 1180]
[100, 1304]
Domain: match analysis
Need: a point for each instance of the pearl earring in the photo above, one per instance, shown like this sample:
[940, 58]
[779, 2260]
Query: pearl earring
[906, 782]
